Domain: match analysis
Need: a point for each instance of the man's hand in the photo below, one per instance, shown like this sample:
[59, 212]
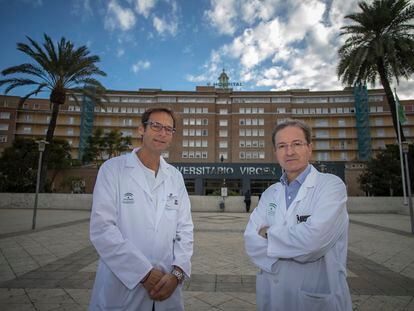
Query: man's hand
[153, 278]
[164, 288]
[263, 232]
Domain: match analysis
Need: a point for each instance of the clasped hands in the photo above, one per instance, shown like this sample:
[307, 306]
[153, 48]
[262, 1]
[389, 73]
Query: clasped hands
[159, 285]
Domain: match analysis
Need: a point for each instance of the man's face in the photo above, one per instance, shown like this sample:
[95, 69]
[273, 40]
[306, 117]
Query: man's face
[292, 151]
[154, 141]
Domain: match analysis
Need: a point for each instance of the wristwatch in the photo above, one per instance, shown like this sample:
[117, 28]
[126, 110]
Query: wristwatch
[178, 274]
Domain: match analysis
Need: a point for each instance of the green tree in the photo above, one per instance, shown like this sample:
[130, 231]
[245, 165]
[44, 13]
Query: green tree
[382, 175]
[19, 162]
[102, 146]
[60, 69]
[379, 45]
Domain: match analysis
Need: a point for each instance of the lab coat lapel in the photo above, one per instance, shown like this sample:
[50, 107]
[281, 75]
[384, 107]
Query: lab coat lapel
[137, 173]
[160, 188]
[308, 183]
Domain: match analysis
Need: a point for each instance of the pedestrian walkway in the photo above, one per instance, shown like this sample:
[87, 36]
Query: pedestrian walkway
[53, 268]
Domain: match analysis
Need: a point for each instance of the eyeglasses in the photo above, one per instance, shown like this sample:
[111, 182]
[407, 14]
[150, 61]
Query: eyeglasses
[156, 126]
[295, 145]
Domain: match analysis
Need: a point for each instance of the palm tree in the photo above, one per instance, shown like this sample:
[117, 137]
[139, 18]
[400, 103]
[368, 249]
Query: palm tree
[380, 44]
[62, 70]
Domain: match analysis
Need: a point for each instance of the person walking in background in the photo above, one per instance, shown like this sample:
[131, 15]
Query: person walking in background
[247, 200]
[141, 225]
[298, 233]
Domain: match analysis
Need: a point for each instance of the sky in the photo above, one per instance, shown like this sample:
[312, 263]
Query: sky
[178, 44]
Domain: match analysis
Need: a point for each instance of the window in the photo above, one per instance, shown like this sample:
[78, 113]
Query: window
[185, 132]
[127, 122]
[69, 131]
[322, 156]
[261, 133]
[241, 110]
[261, 121]
[379, 121]
[204, 154]
[3, 139]
[198, 143]
[4, 127]
[191, 143]
[184, 154]
[281, 110]
[198, 132]
[242, 155]
[28, 117]
[223, 144]
[261, 155]
[192, 121]
[223, 123]
[185, 143]
[4, 115]
[343, 156]
[27, 129]
[242, 122]
[204, 121]
[71, 120]
[261, 143]
[322, 133]
[223, 111]
[322, 144]
[186, 110]
[242, 143]
[204, 132]
[204, 143]
[185, 121]
[242, 132]
[321, 122]
[380, 132]
[108, 121]
[341, 122]
[342, 133]
[223, 154]
[205, 110]
[248, 143]
[223, 133]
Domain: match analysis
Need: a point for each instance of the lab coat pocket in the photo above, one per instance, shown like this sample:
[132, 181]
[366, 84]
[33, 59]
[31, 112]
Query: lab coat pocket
[114, 294]
[171, 209]
[315, 301]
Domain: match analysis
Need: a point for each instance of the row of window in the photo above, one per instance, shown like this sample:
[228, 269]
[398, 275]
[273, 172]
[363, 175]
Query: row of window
[4, 115]
[238, 100]
[251, 121]
[195, 143]
[251, 143]
[194, 154]
[3, 138]
[195, 132]
[195, 121]
[195, 110]
[251, 132]
[251, 155]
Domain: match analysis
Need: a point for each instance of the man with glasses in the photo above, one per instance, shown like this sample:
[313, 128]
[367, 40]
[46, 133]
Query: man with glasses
[298, 234]
[141, 225]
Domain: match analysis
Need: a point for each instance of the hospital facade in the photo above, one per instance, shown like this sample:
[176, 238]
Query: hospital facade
[224, 135]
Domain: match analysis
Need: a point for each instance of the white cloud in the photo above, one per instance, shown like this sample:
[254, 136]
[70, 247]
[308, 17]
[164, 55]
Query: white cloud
[163, 27]
[223, 16]
[140, 65]
[144, 7]
[119, 17]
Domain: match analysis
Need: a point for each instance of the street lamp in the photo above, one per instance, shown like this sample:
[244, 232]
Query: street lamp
[223, 188]
[42, 146]
[405, 148]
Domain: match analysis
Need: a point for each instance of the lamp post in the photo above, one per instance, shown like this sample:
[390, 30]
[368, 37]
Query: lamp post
[405, 148]
[42, 146]
[223, 188]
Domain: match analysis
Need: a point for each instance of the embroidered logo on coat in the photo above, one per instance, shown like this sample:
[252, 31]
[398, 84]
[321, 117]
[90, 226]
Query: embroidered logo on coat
[271, 212]
[128, 198]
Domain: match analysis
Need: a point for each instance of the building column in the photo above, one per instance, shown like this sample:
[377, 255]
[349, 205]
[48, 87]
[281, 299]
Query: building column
[198, 186]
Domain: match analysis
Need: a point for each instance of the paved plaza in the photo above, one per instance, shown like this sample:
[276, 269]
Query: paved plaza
[53, 267]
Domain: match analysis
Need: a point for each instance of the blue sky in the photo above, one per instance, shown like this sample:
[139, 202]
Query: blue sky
[178, 44]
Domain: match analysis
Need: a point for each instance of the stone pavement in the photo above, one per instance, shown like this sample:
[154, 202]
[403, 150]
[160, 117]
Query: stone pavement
[53, 268]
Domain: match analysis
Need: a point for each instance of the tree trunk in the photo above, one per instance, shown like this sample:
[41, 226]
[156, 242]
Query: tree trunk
[390, 97]
[49, 139]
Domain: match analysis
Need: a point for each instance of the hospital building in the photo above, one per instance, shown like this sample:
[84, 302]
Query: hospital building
[224, 134]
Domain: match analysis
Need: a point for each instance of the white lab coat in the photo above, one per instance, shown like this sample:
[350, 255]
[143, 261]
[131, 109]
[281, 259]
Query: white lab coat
[132, 235]
[302, 265]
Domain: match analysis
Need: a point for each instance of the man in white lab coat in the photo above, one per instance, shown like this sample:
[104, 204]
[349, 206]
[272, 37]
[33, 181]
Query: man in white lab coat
[141, 225]
[298, 234]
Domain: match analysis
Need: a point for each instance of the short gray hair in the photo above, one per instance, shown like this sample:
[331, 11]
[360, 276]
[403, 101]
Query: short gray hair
[295, 123]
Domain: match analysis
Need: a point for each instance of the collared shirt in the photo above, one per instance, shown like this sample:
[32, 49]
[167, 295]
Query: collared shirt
[292, 189]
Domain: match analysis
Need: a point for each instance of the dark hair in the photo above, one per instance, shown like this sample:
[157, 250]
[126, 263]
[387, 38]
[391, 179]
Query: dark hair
[295, 123]
[146, 115]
